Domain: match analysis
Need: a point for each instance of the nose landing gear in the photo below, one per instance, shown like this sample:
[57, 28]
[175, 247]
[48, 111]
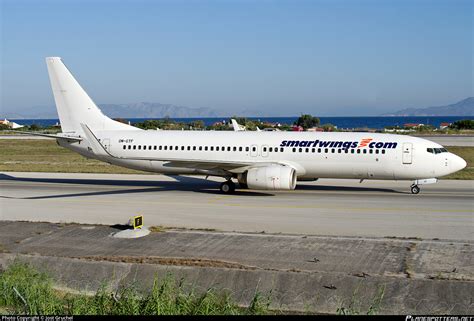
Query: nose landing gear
[415, 189]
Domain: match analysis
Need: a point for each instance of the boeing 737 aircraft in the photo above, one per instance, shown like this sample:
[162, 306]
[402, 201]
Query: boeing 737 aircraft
[257, 160]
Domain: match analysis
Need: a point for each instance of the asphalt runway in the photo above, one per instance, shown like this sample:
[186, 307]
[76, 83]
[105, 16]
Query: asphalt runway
[451, 140]
[326, 207]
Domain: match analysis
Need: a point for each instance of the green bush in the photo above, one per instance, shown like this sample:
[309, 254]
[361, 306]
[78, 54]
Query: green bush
[167, 297]
[307, 121]
[463, 124]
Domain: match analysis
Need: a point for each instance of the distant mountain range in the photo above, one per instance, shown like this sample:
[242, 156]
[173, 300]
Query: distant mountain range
[462, 108]
[157, 110]
[135, 110]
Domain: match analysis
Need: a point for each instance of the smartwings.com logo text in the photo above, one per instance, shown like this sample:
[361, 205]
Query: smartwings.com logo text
[366, 142]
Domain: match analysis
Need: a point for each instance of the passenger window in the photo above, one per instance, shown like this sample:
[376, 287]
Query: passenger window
[176, 147]
[270, 149]
[205, 148]
[313, 150]
[134, 146]
[346, 151]
[326, 150]
[339, 151]
[194, 147]
[200, 147]
[139, 146]
[254, 149]
[212, 148]
[352, 151]
[307, 150]
[182, 147]
[376, 151]
[160, 147]
[281, 149]
[383, 151]
[154, 147]
[319, 150]
[333, 150]
[300, 149]
[358, 151]
[124, 147]
[217, 148]
[129, 146]
[165, 147]
[371, 151]
[247, 149]
[234, 149]
[189, 147]
[365, 151]
[294, 150]
[264, 149]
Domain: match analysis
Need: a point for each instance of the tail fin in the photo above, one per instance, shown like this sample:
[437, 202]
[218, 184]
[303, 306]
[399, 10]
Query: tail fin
[74, 105]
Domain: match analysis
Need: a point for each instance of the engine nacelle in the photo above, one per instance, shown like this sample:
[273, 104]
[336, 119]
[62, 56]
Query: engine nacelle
[274, 177]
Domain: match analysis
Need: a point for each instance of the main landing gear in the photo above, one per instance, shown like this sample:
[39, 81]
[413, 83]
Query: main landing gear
[228, 187]
[415, 189]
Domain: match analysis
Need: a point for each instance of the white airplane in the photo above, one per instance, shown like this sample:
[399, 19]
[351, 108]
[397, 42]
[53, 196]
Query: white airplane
[237, 127]
[263, 160]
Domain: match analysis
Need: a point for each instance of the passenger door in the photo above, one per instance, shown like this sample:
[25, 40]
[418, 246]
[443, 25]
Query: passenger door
[407, 156]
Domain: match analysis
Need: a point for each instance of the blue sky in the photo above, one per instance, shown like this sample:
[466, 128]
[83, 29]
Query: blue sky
[327, 58]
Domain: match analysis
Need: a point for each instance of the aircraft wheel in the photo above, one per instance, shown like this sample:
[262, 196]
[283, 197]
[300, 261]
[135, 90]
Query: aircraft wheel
[228, 187]
[415, 189]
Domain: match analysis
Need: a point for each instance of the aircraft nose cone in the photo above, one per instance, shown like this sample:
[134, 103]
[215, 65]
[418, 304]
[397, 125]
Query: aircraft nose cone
[457, 163]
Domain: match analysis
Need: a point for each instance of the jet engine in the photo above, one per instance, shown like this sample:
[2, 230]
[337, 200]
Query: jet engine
[273, 177]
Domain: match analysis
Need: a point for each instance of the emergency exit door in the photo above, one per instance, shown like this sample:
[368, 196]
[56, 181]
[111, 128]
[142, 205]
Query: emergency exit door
[407, 157]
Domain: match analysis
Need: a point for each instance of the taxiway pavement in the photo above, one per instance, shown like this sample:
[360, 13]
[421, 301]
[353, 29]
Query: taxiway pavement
[327, 207]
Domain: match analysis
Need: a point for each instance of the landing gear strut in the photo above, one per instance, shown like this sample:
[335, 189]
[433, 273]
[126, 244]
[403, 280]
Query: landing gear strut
[228, 187]
[415, 189]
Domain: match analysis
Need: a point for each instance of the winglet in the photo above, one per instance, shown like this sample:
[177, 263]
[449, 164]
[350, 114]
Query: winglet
[94, 143]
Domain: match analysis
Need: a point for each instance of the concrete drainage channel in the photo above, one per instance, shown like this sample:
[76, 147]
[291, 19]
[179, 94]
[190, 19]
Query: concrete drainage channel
[301, 273]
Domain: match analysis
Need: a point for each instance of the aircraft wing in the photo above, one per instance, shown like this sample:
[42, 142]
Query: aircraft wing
[205, 165]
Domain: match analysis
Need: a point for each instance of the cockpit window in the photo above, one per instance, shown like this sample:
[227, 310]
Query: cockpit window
[436, 150]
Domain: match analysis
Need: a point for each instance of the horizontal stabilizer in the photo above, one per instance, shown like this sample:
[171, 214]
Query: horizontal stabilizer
[58, 136]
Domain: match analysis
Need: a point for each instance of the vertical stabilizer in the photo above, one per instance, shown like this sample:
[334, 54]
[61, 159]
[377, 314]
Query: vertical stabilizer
[74, 105]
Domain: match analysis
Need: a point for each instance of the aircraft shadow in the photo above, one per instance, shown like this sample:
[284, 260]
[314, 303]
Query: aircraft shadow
[192, 184]
[346, 189]
[182, 183]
